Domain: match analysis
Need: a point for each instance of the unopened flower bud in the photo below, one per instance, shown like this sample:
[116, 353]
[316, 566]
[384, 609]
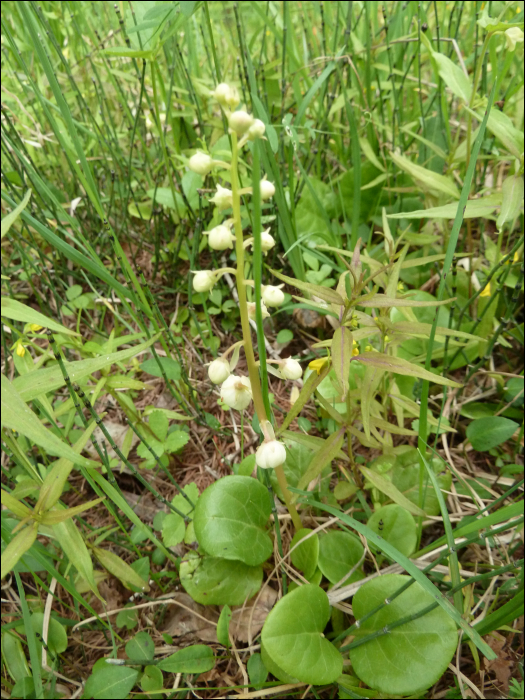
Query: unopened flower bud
[272, 296]
[270, 455]
[267, 189]
[236, 392]
[291, 369]
[219, 370]
[256, 130]
[267, 241]
[223, 198]
[220, 238]
[226, 95]
[240, 122]
[513, 35]
[203, 280]
[251, 310]
[200, 163]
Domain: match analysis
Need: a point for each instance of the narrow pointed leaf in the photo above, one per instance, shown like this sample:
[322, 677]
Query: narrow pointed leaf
[400, 366]
[341, 357]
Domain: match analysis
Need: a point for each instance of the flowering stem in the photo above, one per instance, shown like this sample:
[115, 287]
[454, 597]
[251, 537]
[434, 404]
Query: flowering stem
[253, 370]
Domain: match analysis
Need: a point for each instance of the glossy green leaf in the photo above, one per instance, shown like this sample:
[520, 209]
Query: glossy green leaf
[397, 526]
[453, 77]
[339, 552]
[475, 209]
[14, 657]
[152, 679]
[341, 355]
[428, 180]
[213, 581]
[275, 669]
[257, 672]
[305, 555]
[231, 519]
[172, 368]
[399, 366]
[141, 647]
[9, 220]
[293, 636]
[409, 658]
[198, 658]
[111, 682]
[385, 485]
[116, 566]
[46, 380]
[512, 190]
[16, 311]
[173, 529]
[73, 545]
[17, 415]
[223, 627]
[324, 293]
[486, 433]
[18, 546]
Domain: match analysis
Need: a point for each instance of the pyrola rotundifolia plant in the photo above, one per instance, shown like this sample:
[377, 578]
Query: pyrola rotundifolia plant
[237, 392]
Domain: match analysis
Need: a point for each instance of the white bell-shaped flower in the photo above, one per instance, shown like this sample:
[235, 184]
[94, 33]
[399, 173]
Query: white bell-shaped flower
[252, 307]
[226, 95]
[240, 122]
[219, 370]
[272, 296]
[270, 455]
[267, 189]
[236, 392]
[200, 163]
[256, 130]
[291, 369]
[203, 280]
[267, 241]
[220, 238]
[223, 198]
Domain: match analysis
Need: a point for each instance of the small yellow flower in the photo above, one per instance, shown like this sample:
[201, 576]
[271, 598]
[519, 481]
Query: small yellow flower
[368, 348]
[486, 292]
[355, 352]
[20, 349]
[318, 364]
[35, 327]
[400, 287]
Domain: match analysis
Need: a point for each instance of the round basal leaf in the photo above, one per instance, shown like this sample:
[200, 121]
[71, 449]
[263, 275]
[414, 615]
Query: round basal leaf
[293, 637]
[56, 633]
[141, 647]
[111, 682]
[231, 517]
[486, 433]
[305, 555]
[195, 659]
[274, 669]
[212, 581]
[152, 679]
[338, 553]
[397, 526]
[409, 658]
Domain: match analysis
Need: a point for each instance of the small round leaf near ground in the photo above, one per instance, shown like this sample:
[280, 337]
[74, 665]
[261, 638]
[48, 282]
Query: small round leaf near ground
[293, 637]
[407, 659]
[339, 552]
[231, 519]
[397, 526]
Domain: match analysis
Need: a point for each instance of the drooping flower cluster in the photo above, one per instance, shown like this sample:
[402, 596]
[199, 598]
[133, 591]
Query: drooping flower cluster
[236, 391]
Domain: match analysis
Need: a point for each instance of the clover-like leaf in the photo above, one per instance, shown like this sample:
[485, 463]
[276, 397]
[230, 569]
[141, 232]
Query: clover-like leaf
[230, 520]
[293, 637]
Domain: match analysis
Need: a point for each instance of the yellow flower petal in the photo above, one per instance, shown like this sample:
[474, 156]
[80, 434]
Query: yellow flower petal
[318, 364]
[20, 350]
[486, 292]
[35, 327]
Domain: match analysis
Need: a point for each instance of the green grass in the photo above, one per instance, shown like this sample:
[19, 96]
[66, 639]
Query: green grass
[373, 111]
